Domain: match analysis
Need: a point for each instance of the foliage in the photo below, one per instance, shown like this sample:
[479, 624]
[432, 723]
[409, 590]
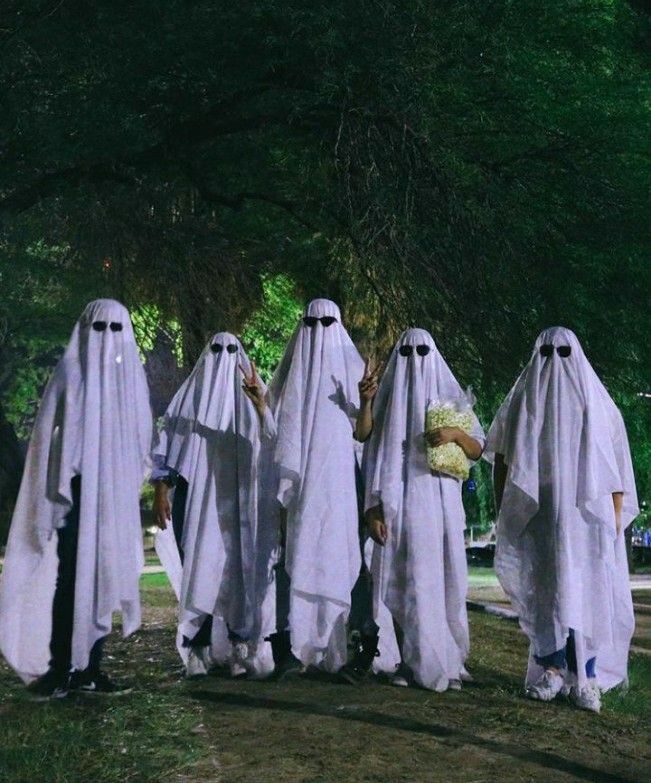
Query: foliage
[477, 169]
[148, 324]
[270, 327]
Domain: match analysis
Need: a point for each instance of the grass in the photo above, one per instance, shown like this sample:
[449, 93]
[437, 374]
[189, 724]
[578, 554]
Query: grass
[479, 576]
[316, 730]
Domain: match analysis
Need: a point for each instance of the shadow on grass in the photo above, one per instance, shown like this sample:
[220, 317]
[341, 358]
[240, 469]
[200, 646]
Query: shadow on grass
[444, 733]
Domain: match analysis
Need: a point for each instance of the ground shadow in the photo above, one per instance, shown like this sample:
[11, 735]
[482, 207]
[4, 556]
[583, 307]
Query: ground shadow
[443, 733]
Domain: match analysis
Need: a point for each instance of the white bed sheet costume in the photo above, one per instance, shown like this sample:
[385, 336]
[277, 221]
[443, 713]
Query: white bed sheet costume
[212, 436]
[315, 399]
[558, 556]
[420, 574]
[94, 421]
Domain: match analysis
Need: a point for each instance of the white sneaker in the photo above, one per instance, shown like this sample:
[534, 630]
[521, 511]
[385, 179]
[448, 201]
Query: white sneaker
[239, 655]
[454, 685]
[547, 687]
[196, 665]
[586, 698]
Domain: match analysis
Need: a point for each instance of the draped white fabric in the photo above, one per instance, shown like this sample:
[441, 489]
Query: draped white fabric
[420, 574]
[315, 397]
[211, 435]
[94, 421]
[558, 556]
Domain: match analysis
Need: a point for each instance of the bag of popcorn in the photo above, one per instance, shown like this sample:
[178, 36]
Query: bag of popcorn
[449, 458]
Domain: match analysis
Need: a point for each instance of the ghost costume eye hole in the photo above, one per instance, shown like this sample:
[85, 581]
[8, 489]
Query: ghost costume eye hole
[99, 326]
[406, 350]
[311, 320]
[564, 350]
[422, 350]
[546, 350]
[115, 326]
[216, 347]
[231, 348]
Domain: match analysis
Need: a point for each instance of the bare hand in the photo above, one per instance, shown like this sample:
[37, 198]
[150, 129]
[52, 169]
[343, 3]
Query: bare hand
[369, 384]
[253, 389]
[161, 506]
[441, 435]
[378, 531]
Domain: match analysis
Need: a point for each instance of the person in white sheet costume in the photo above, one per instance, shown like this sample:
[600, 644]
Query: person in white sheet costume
[416, 516]
[315, 398]
[565, 491]
[74, 554]
[217, 447]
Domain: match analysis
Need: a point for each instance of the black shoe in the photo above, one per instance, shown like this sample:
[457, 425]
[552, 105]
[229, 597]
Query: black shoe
[290, 667]
[51, 685]
[286, 664]
[96, 683]
[358, 669]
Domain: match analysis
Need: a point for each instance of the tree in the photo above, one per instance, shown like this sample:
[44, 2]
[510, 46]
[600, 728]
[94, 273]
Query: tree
[476, 169]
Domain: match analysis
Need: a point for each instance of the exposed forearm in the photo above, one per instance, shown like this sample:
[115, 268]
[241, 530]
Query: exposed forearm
[618, 504]
[364, 424]
[260, 409]
[499, 480]
[470, 447]
[161, 490]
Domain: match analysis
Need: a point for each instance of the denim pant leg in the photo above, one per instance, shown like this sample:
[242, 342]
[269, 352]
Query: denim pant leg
[571, 658]
[556, 660]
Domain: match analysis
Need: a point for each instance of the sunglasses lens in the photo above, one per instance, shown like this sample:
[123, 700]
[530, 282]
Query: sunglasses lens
[546, 350]
[564, 350]
[405, 350]
[231, 348]
[328, 320]
[422, 350]
[310, 320]
[216, 347]
[99, 326]
[115, 326]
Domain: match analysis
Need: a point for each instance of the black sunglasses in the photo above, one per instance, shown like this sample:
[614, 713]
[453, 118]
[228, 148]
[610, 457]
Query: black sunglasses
[561, 350]
[311, 320]
[407, 350]
[100, 326]
[218, 348]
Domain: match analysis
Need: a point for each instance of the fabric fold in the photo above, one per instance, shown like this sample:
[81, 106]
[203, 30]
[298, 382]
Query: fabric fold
[94, 421]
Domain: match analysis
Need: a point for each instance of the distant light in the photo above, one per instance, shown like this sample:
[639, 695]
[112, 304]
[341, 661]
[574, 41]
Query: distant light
[107, 264]
[646, 395]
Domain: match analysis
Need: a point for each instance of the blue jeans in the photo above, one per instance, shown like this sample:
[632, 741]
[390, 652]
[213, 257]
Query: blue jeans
[566, 657]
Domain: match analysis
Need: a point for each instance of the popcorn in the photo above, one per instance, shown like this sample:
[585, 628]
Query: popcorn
[449, 458]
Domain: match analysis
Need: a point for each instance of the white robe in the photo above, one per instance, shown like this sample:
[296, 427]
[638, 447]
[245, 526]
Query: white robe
[558, 556]
[316, 400]
[420, 574]
[211, 435]
[94, 421]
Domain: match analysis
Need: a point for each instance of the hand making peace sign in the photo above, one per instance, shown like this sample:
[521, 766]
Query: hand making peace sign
[253, 389]
[369, 384]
